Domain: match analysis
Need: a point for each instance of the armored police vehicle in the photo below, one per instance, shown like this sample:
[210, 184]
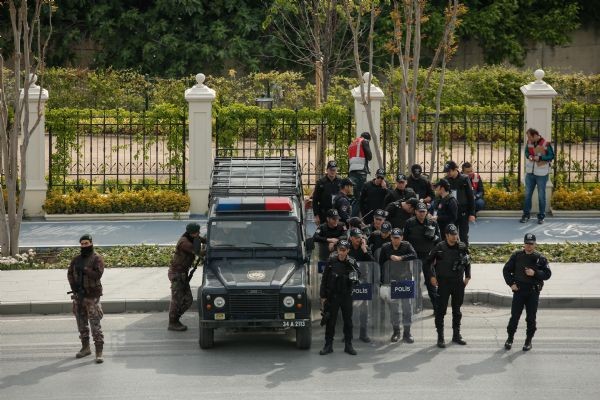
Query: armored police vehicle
[256, 272]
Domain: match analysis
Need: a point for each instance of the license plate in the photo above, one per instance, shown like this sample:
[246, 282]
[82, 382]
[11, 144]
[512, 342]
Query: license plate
[294, 324]
[219, 316]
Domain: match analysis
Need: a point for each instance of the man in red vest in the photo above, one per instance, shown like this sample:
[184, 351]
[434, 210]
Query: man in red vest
[359, 155]
[476, 184]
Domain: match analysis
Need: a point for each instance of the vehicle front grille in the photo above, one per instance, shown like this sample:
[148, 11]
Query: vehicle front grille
[254, 304]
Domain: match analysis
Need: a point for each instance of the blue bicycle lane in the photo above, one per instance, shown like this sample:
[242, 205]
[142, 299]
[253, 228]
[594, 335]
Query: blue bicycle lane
[486, 230]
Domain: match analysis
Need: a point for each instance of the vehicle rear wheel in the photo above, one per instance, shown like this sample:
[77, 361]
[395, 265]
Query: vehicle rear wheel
[304, 337]
[207, 338]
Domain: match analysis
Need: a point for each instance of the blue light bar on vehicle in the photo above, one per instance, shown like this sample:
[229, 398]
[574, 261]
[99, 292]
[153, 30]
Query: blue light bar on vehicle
[253, 204]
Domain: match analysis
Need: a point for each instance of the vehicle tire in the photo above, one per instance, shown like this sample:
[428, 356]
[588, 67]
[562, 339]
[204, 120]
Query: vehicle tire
[304, 337]
[207, 338]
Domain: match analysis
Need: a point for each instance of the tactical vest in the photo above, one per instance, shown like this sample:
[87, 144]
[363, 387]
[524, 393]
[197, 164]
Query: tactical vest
[539, 168]
[525, 260]
[89, 284]
[356, 155]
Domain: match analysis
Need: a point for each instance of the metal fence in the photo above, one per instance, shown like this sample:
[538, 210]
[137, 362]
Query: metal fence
[116, 151]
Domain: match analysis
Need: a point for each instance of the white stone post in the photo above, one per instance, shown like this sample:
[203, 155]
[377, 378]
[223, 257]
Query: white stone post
[199, 98]
[360, 116]
[538, 115]
[35, 193]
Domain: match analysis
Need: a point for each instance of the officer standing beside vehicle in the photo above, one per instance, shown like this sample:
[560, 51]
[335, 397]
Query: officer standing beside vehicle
[187, 248]
[329, 233]
[360, 252]
[84, 274]
[325, 190]
[446, 209]
[450, 273]
[525, 273]
[423, 233]
[359, 155]
[341, 202]
[339, 277]
[395, 251]
[461, 189]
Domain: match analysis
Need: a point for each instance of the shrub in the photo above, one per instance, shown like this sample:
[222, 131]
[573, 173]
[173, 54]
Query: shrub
[501, 199]
[565, 198]
[92, 202]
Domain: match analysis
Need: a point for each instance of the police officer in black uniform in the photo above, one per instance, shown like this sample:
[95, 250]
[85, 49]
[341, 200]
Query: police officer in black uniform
[398, 250]
[341, 202]
[446, 209]
[329, 233]
[372, 196]
[460, 187]
[450, 273]
[423, 233]
[379, 217]
[401, 211]
[401, 192]
[420, 184]
[379, 237]
[325, 190]
[525, 273]
[339, 277]
[359, 251]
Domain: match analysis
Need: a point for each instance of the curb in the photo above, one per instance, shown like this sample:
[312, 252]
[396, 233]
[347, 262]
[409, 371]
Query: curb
[160, 305]
[118, 217]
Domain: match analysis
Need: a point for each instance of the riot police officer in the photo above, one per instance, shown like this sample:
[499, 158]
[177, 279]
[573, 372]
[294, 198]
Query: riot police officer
[360, 252]
[450, 273]
[401, 192]
[339, 277]
[395, 251]
[378, 219]
[525, 273]
[341, 202]
[423, 233]
[420, 184]
[373, 195]
[460, 187]
[325, 190]
[401, 211]
[446, 209]
[329, 233]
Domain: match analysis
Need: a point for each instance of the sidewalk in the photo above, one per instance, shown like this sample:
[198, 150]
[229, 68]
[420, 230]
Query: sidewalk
[147, 289]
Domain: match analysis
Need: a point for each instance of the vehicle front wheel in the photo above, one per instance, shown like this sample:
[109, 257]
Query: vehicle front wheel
[304, 337]
[207, 338]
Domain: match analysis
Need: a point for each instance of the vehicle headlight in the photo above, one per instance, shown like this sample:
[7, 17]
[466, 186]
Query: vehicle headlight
[219, 302]
[288, 301]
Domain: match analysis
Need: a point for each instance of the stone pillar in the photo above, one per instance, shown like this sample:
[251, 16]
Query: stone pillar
[538, 115]
[199, 98]
[360, 116]
[35, 193]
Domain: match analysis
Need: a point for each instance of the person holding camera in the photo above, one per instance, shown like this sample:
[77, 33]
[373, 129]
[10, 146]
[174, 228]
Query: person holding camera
[538, 156]
[339, 277]
[187, 248]
[450, 273]
[360, 252]
[391, 253]
[525, 273]
[84, 274]
[423, 233]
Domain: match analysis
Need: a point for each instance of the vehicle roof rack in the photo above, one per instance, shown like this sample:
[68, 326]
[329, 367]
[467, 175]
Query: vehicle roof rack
[267, 176]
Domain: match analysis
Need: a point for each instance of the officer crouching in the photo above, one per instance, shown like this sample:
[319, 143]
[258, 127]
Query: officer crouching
[525, 273]
[449, 262]
[339, 276]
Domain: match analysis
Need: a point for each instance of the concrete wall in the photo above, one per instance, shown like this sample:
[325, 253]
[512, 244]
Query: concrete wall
[581, 55]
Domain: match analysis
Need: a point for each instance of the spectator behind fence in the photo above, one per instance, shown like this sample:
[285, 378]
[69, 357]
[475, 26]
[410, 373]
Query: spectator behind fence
[476, 184]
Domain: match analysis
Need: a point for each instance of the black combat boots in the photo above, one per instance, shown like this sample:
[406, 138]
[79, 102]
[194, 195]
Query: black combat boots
[406, 336]
[85, 349]
[349, 349]
[440, 342]
[175, 325]
[509, 342]
[327, 349]
[456, 338]
[396, 334]
[364, 337]
[527, 346]
[99, 348]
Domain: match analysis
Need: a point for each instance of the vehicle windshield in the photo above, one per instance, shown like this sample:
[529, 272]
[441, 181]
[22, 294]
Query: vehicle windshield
[253, 234]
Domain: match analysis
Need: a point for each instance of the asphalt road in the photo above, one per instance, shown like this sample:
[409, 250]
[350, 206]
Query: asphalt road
[145, 361]
[114, 233]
